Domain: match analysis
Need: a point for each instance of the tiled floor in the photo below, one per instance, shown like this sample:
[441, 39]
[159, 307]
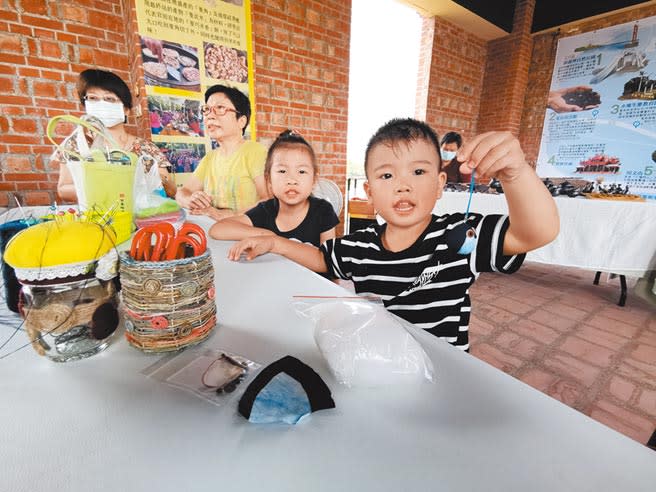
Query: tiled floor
[552, 328]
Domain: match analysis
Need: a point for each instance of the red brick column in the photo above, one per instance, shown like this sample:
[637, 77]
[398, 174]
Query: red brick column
[506, 74]
[450, 78]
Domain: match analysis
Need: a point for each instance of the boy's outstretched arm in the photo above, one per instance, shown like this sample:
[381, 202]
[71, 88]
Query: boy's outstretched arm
[303, 254]
[534, 219]
[235, 228]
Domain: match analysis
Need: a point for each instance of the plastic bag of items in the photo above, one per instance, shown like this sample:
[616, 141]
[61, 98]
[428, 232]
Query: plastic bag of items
[365, 345]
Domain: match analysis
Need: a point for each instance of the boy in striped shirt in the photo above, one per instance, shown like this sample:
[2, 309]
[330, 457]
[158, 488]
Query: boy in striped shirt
[406, 261]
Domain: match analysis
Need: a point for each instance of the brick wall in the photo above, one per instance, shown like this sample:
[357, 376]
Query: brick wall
[301, 75]
[506, 74]
[450, 79]
[301, 78]
[44, 45]
[541, 69]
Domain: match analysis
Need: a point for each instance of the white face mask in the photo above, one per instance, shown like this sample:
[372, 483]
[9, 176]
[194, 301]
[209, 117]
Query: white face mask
[447, 155]
[111, 114]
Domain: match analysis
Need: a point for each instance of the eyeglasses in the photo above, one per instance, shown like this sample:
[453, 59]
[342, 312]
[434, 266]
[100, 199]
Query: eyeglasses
[219, 110]
[107, 99]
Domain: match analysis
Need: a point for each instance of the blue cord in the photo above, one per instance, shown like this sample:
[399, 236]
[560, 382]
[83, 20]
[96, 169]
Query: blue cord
[471, 193]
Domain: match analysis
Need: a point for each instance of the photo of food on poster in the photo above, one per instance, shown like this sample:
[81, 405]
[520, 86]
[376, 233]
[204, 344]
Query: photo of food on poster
[225, 63]
[600, 120]
[186, 47]
[169, 64]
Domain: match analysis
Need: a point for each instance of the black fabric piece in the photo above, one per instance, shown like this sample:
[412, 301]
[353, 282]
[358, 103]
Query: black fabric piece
[104, 321]
[652, 441]
[12, 287]
[455, 238]
[316, 389]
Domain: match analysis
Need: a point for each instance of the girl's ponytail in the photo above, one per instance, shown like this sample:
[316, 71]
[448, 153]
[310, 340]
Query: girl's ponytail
[289, 139]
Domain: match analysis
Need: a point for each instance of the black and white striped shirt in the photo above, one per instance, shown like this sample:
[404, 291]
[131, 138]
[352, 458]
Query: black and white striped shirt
[426, 284]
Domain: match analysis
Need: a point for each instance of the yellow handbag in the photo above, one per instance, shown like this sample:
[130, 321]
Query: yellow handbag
[103, 177]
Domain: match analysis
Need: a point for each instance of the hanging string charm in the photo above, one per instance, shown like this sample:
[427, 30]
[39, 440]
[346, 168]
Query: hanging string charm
[462, 238]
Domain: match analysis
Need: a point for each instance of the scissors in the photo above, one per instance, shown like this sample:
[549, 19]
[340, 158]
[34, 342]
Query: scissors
[160, 242]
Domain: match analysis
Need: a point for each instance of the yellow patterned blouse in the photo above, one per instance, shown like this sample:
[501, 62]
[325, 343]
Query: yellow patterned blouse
[230, 180]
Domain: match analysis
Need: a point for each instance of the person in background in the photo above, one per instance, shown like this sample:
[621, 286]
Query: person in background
[230, 179]
[155, 122]
[105, 96]
[449, 145]
[291, 172]
[414, 262]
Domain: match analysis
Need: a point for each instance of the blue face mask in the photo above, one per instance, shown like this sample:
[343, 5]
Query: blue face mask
[285, 391]
[447, 155]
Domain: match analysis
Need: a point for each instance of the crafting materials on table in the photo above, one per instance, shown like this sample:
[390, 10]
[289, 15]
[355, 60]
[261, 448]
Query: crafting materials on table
[462, 237]
[168, 295]
[69, 301]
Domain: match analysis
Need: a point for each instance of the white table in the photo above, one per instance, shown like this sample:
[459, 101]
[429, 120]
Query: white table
[99, 425]
[599, 235]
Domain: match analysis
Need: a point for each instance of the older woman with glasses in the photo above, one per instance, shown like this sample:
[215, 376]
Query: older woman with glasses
[229, 179]
[106, 97]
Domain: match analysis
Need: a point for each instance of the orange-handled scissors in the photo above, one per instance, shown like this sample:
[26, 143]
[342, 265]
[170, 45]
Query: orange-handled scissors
[167, 245]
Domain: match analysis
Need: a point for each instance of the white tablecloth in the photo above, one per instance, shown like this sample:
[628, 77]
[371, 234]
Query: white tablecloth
[599, 235]
[99, 425]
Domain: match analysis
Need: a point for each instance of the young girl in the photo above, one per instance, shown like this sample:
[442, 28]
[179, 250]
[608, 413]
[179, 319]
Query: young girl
[290, 172]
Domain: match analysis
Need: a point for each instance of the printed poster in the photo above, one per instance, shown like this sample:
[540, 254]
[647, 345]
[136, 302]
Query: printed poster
[187, 46]
[600, 122]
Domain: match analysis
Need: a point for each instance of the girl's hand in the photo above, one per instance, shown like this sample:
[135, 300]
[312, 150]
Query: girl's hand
[252, 247]
[493, 155]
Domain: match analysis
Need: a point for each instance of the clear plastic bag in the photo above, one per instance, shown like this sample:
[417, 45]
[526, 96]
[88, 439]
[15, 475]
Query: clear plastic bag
[363, 344]
[149, 197]
[202, 372]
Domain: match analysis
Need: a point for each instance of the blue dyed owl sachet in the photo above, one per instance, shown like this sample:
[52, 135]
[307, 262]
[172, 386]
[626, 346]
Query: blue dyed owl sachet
[285, 392]
[462, 238]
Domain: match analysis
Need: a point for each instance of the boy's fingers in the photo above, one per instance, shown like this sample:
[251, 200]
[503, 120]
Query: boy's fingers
[465, 151]
[493, 160]
[475, 150]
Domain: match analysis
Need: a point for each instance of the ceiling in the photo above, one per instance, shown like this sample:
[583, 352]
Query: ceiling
[490, 19]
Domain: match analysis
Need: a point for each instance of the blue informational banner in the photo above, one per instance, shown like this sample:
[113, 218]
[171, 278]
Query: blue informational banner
[600, 121]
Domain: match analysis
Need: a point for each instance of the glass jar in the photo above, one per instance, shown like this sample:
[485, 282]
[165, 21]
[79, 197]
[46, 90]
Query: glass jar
[69, 321]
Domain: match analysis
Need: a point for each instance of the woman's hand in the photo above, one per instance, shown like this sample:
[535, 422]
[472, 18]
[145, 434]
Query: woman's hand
[213, 213]
[252, 247]
[199, 200]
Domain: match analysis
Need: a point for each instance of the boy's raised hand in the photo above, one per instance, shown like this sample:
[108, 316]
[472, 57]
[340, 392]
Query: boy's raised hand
[252, 247]
[531, 208]
[493, 155]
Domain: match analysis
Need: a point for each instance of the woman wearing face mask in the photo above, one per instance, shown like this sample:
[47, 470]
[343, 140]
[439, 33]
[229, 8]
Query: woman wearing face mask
[106, 97]
[228, 180]
[451, 142]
